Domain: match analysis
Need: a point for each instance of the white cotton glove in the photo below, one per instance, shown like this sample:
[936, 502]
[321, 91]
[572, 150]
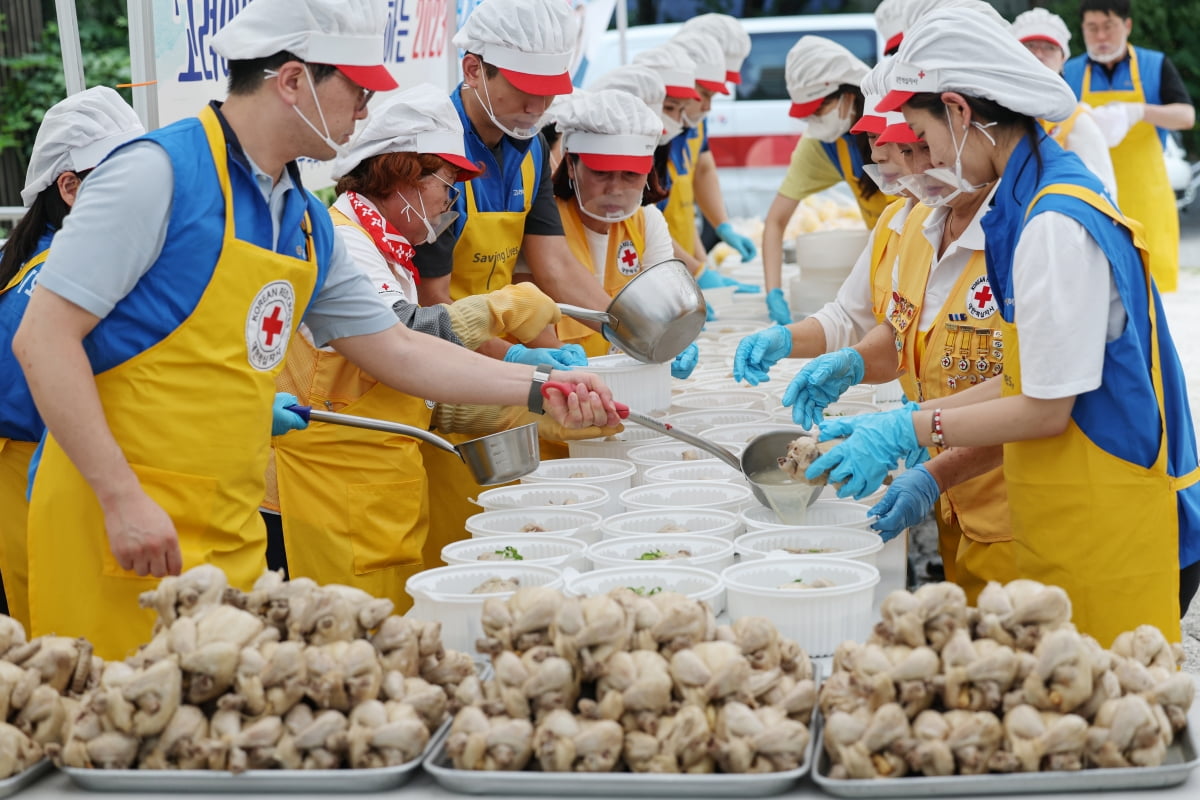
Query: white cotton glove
[1115, 120]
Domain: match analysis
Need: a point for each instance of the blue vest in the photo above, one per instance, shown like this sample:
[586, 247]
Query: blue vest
[169, 291]
[19, 418]
[1118, 416]
[856, 161]
[1150, 64]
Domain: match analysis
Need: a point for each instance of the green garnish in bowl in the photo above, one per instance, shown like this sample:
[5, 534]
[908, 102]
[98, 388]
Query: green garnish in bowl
[510, 553]
[652, 555]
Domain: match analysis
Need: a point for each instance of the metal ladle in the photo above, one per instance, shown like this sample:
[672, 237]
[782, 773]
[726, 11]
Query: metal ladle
[497, 458]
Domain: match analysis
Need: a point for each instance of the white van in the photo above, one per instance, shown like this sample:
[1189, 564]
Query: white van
[750, 132]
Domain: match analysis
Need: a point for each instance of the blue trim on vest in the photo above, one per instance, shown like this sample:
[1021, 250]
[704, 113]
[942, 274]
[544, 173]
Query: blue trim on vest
[170, 290]
[19, 418]
[1150, 64]
[679, 156]
[1119, 416]
[856, 162]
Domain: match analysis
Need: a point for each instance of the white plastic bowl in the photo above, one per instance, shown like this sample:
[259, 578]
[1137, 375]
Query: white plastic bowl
[444, 594]
[575, 496]
[694, 494]
[698, 584]
[829, 250]
[818, 619]
[731, 398]
[859, 393]
[611, 474]
[890, 392]
[849, 408]
[821, 514]
[743, 433]
[616, 446]
[707, 552]
[550, 551]
[711, 469]
[694, 421]
[848, 543]
[582, 525]
[673, 452]
[644, 387]
[719, 328]
[650, 522]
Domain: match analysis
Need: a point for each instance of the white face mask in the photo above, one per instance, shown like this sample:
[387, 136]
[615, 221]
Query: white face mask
[614, 205]
[930, 186]
[875, 173]
[434, 228]
[339, 150]
[671, 128]
[830, 126]
[518, 126]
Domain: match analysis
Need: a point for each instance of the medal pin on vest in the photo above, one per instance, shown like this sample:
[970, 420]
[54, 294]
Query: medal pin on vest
[239, 329]
[1142, 184]
[1104, 529]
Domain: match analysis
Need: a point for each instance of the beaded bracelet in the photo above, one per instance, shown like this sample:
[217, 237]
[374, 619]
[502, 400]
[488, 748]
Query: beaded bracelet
[937, 435]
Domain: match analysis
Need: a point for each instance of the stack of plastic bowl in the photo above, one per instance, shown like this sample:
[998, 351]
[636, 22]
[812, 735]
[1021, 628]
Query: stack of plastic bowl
[674, 521]
[577, 496]
[611, 474]
[703, 419]
[549, 551]
[822, 513]
[643, 387]
[694, 495]
[672, 452]
[825, 258]
[718, 398]
[710, 469]
[819, 619]
[719, 299]
[705, 552]
[693, 582]
[446, 594]
[856, 545]
[582, 525]
[618, 445]
[743, 433]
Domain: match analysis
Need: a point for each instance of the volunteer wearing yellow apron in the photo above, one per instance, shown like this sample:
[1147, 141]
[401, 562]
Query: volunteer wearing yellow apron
[1137, 92]
[823, 80]
[1099, 452]
[74, 136]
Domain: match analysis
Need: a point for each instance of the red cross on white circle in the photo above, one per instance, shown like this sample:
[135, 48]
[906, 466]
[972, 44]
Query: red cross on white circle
[629, 256]
[272, 326]
[984, 295]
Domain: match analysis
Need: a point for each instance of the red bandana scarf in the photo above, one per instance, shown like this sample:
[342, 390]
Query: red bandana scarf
[386, 238]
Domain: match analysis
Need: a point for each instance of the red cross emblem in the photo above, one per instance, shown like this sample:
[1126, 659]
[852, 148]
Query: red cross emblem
[921, 74]
[627, 259]
[981, 303]
[385, 287]
[984, 295]
[272, 326]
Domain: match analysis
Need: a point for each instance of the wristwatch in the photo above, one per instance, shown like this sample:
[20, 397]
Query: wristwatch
[541, 374]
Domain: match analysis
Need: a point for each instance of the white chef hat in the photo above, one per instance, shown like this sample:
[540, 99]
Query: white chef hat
[704, 49]
[735, 42]
[815, 68]
[957, 50]
[889, 21]
[76, 134]
[610, 130]
[676, 67]
[1040, 25]
[418, 120]
[345, 33]
[902, 15]
[637, 79]
[887, 126]
[531, 42]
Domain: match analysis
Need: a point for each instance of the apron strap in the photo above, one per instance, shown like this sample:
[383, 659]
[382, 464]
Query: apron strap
[40, 258]
[1185, 481]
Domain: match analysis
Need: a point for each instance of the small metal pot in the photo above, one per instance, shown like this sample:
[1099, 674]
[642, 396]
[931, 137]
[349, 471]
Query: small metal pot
[654, 317]
[496, 458]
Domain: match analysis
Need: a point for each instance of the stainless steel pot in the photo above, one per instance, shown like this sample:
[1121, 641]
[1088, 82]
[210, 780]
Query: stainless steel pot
[496, 458]
[656, 315]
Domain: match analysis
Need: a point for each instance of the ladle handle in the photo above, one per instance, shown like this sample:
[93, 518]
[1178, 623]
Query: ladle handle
[670, 430]
[309, 413]
[585, 314]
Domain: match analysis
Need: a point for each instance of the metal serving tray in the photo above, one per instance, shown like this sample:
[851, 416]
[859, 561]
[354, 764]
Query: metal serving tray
[533, 783]
[15, 783]
[1181, 760]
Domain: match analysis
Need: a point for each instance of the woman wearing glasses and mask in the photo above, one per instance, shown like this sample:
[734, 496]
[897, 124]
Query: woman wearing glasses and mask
[353, 503]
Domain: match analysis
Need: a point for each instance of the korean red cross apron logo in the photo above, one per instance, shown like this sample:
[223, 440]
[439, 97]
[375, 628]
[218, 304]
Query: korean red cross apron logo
[269, 324]
[981, 303]
[627, 259]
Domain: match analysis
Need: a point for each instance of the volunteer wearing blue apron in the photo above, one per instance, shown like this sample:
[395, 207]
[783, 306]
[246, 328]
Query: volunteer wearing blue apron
[1137, 97]
[1092, 410]
[153, 360]
[74, 136]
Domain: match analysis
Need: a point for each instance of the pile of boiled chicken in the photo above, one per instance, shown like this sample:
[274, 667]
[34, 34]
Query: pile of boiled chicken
[1007, 686]
[623, 680]
[289, 675]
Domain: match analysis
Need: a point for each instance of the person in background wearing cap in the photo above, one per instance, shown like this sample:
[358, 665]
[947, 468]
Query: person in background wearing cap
[1046, 36]
[351, 505]
[1136, 96]
[823, 81]
[609, 140]
[153, 359]
[75, 134]
[1091, 409]
[894, 17]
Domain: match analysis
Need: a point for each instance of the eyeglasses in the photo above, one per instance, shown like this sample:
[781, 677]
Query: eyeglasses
[452, 191]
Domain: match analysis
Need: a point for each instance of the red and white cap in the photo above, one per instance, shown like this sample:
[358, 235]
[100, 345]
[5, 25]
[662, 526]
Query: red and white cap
[873, 86]
[704, 49]
[957, 50]
[418, 120]
[894, 18]
[735, 42]
[531, 42]
[610, 130]
[637, 79]
[815, 68]
[1040, 25]
[676, 67]
[896, 130]
[345, 33]
[889, 21]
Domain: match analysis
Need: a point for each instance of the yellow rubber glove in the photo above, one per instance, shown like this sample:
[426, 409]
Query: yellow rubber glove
[522, 311]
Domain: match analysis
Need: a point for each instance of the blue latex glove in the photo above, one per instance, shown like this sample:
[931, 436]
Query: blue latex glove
[685, 362]
[283, 420]
[875, 445]
[573, 354]
[555, 357]
[743, 245]
[760, 351]
[711, 279]
[822, 382]
[709, 314]
[847, 425]
[908, 500]
[777, 306]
